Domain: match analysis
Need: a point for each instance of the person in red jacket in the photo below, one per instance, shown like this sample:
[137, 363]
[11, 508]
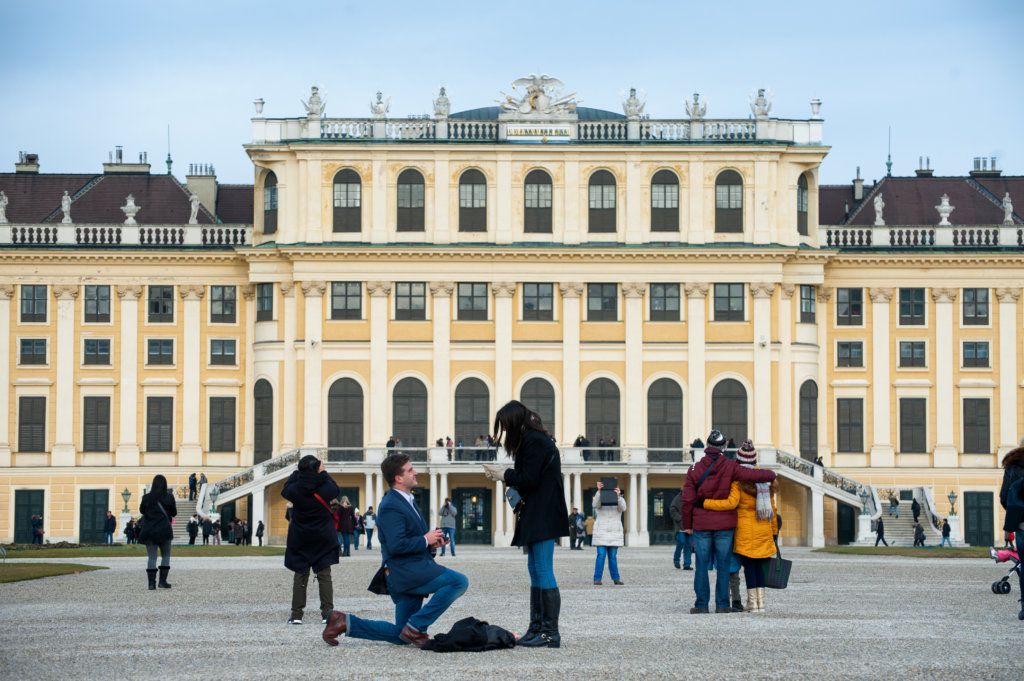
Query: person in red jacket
[711, 478]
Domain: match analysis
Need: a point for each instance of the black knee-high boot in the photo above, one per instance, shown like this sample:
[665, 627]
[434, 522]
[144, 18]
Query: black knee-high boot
[164, 569]
[535, 617]
[151, 576]
[550, 606]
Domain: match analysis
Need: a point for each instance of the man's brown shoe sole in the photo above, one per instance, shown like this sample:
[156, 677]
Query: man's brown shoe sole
[336, 626]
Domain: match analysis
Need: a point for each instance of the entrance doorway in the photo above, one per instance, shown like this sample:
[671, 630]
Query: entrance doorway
[92, 513]
[659, 520]
[473, 524]
[27, 503]
[978, 518]
[846, 524]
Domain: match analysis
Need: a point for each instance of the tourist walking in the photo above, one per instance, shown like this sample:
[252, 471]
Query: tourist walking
[588, 526]
[448, 514]
[157, 508]
[574, 522]
[370, 523]
[946, 531]
[259, 532]
[918, 535]
[894, 507]
[216, 532]
[207, 526]
[541, 517]
[880, 532]
[357, 523]
[129, 531]
[312, 543]
[192, 487]
[193, 529]
[346, 525]
[1013, 472]
[608, 535]
[915, 509]
[684, 544]
[109, 526]
[37, 529]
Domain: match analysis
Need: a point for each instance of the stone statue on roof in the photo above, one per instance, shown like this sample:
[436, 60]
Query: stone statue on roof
[879, 207]
[65, 206]
[944, 210]
[697, 108]
[379, 108]
[633, 107]
[543, 95]
[130, 210]
[442, 107]
[3, 208]
[193, 200]
[314, 106]
[1007, 209]
[761, 105]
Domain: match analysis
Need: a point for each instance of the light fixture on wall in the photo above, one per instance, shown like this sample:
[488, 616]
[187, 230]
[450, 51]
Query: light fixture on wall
[126, 495]
[952, 502]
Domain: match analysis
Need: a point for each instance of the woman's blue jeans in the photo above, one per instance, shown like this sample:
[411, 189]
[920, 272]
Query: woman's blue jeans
[613, 562]
[540, 561]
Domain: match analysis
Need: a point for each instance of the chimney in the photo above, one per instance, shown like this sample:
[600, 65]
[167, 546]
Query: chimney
[985, 166]
[923, 169]
[858, 187]
[27, 163]
[115, 164]
[202, 179]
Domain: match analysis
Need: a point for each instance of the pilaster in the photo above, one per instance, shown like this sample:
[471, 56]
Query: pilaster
[259, 510]
[824, 317]
[503, 315]
[763, 393]
[248, 399]
[945, 455]
[312, 399]
[696, 312]
[63, 453]
[571, 293]
[379, 292]
[817, 518]
[6, 294]
[1009, 329]
[577, 491]
[634, 427]
[643, 537]
[882, 452]
[190, 452]
[788, 408]
[127, 452]
[370, 500]
[633, 535]
[288, 435]
[441, 394]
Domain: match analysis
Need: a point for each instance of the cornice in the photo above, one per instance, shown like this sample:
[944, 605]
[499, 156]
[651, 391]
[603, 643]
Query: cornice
[902, 258]
[65, 255]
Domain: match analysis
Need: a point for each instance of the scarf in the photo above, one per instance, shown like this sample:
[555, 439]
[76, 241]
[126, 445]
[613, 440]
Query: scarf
[764, 498]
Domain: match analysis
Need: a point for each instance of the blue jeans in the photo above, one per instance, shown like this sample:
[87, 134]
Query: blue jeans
[718, 544]
[109, 537]
[449, 534]
[356, 542]
[684, 545]
[613, 563]
[369, 539]
[540, 561]
[409, 609]
[1019, 539]
[945, 542]
[344, 541]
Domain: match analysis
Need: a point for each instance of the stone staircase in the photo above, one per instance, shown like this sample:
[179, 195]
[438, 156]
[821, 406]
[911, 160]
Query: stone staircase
[900, 531]
[180, 526]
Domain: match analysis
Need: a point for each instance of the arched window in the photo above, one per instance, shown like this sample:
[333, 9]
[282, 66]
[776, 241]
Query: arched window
[472, 201]
[801, 205]
[472, 411]
[538, 395]
[664, 202]
[729, 202]
[348, 201]
[270, 203]
[729, 410]
[263, 421]
[537, 202]
[665, 415]
[410, 201]
[345, 415]
[602, 202]
[409, 412]
[603, 418]
[809, 420]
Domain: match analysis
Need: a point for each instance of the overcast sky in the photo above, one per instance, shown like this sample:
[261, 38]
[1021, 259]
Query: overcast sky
[77, 78]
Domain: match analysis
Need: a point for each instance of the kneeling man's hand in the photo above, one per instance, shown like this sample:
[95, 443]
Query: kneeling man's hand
[434, 538]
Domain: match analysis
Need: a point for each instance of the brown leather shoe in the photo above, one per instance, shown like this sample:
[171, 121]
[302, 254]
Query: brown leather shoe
[336, 626]
[413, 637]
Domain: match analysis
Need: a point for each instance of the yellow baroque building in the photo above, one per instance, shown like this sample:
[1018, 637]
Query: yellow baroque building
[636, 281]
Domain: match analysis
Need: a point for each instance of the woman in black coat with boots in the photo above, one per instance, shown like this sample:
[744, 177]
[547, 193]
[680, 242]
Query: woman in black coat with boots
[541, 518]
[312, 534]
[157, 508]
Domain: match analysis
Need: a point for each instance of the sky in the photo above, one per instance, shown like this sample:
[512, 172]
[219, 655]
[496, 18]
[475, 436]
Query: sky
[78, 78]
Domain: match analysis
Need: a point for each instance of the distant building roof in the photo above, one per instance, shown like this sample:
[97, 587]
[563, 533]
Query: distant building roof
[490, 113]
[234, 203]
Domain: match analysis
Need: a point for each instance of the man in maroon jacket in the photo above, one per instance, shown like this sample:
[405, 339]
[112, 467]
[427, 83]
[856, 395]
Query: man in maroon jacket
[713, 530]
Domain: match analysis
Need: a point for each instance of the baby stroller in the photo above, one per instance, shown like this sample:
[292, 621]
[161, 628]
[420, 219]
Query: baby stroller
[1003, 555]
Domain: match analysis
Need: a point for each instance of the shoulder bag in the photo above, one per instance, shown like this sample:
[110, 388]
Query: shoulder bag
[515, 499]
[334, 517]
[776, 572]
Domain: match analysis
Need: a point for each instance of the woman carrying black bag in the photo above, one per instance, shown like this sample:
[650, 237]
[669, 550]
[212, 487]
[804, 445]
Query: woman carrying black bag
[541, 517]
[157, 508]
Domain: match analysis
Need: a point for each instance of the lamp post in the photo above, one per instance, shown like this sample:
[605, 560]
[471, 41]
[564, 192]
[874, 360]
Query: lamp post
[214, 493]
[864, 496]
[126, 495]
[952, 502]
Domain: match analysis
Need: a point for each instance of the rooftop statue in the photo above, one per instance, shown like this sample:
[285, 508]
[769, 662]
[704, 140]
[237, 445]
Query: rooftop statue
[944, 210]
[633, 107]
[314, 105]
[65, 207]
[3, 208]
[761, 105]
[379, 109]
[697, 108]
[130, 210]
[442, 107]
[879, 207]
[543, 96]
[1007, 209]
[193, 200]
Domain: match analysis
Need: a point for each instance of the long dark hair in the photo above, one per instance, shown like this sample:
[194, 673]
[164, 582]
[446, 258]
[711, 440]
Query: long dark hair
[511, 421]
[159, 486]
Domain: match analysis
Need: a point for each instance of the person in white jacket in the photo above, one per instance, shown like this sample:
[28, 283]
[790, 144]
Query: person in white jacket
[608, 535]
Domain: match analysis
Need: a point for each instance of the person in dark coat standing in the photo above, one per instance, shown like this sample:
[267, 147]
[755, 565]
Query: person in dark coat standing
[207, 526]
[918, 535]
[1013, 470]
[193, 529]
[259, 532]
[683, 541]
[542, 519]
[37, 529]
[192, 487]
[129, 531]
[915, 508]
[312, 539]
[880, 532]
[157, 508]
[109, 525]
[946, 531]
[346, 525]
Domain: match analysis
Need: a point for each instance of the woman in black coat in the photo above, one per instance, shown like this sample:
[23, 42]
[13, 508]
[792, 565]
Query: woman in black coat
[541, 519]
[157, 508]
[1013, 469]
[312, 535]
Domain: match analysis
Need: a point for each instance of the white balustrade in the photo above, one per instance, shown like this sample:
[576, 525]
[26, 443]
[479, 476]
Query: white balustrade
[212, 236]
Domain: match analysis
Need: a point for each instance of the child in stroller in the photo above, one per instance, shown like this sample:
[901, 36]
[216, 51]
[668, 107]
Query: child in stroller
[1003, 555]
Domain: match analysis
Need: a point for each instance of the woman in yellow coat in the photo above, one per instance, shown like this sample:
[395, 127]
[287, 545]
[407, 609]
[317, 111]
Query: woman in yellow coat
[757, 525]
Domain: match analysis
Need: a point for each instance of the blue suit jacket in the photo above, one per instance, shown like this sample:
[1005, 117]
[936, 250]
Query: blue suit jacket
[400, 530]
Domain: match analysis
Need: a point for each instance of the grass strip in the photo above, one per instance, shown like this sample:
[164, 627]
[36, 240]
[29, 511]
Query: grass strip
[909, 552]
[19, 572]
[137, 550]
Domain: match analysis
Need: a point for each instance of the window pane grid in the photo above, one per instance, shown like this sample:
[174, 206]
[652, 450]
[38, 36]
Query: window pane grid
[538, 302]
[410, 301]
[160, 351]
[849, 307]
[975, 307]
[807, 304]
[346, 300]
[161, 304]
[222, 304]
[264, 302]
[664, 302]
[97, 351]
[729, 302]
[222, 352]
[347, 195]
[33, 303]
[976, 354]
[33, 351]
[850, 354]
[472, 301]
[97, 304]
[602, 302]
[912, 354]
[912, 306]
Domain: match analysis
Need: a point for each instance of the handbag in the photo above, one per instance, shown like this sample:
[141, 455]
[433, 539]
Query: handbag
[334, 516]
[379, 581]
[776, 572]
[514, 498]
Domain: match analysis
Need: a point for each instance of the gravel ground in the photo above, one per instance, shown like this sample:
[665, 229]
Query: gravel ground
[842, 617]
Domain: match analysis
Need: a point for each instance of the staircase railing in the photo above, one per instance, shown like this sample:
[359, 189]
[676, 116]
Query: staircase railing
[925, 494]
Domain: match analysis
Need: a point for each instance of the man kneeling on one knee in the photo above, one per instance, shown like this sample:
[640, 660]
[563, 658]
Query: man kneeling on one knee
[407, 549]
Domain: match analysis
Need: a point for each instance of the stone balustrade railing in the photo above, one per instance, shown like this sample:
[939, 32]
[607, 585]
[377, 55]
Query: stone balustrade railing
[113, 235]
[922, 236]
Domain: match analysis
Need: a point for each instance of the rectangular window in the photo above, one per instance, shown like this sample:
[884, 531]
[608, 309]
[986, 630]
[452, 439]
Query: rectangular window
[347, 195]
[850, 424]
[264, 302]
[850, 354]
[602, 196]
[410, 196]
[159, 424]
[912, 306]
[223, 304]
[729, 196]
[346, 300]
[160, 351]
[222, 352]
[729, 302]
[538, 302]
[912, 354]
[270, 198]
[410, 300]
[975, 307]
[96, 424]
[849, 307]
[977, 426]
[602, 302]
[664, 299]
[472, 195]
[33, 351]
[472, 302]
[222, 424]
[913, 428]
[161, 304]
[665, 196]
[538, 196]
[31, 424]
[33, 303]
[807, 304]
[96, 351]
[97, 304]
[976, 354]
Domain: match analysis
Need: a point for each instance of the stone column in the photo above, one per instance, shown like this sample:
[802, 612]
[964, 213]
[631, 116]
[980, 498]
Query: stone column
[312, 389]
[379, 426]
[64, 444]
[6, 294]
[571, 293]
[824, 317]
[248, 399]
[817, 518]
[441, 392]
[434, 502]
[763, 393]
[190, 452]
[378, 488]
[499, 513]
[577, 491]
[632, 537]
[369, 500]
[442, 186]
[882, 452]
[259, 512]
[503, 292]
[634, 426]
[288, 399]
[1008, 377]
[564, 541]
[644, 538]
[442, 491]
[696, 310]
[945, 409]
[788, 407]
[127, 452]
